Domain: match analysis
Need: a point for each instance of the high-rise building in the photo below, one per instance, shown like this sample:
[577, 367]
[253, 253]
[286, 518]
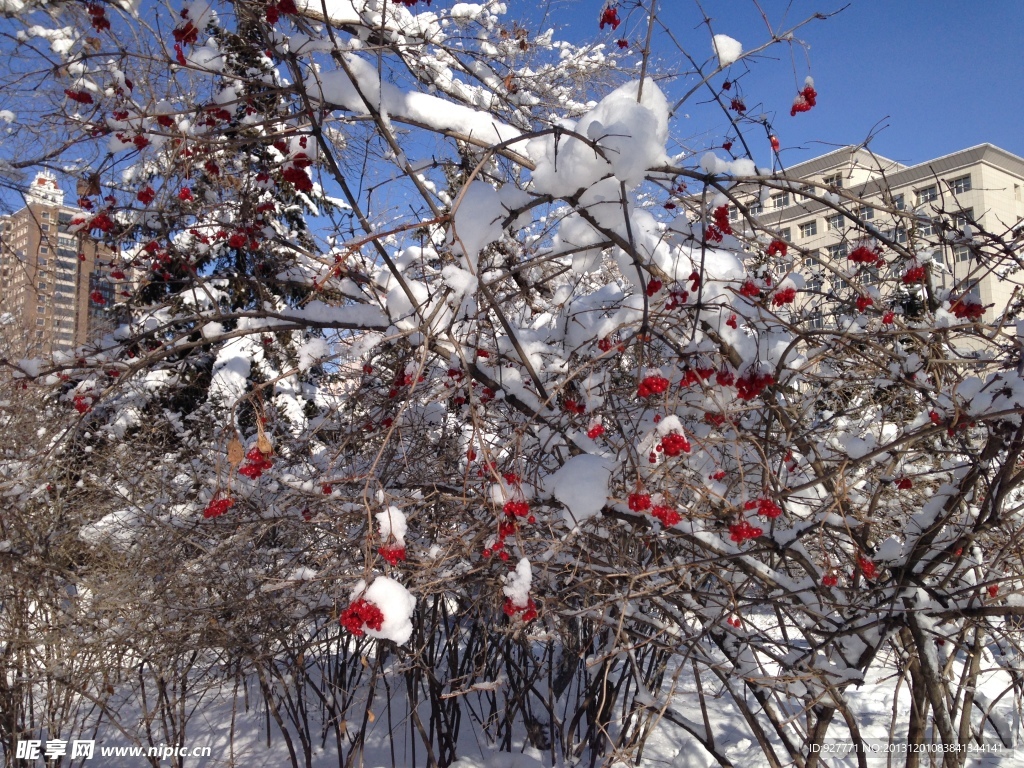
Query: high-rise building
[947, 205]
[55, 290]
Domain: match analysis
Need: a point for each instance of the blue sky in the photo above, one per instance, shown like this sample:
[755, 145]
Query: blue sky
[929, 78]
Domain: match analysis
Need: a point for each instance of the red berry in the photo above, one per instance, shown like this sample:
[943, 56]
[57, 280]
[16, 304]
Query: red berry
[830, 580]
[993, 590]
[610, 17]
[392, 554]
[218, 507]
[652, 385]
[666, 515]
[867, 567]
[914, 275]
[638, 501]
[784, 296]
[359, 615]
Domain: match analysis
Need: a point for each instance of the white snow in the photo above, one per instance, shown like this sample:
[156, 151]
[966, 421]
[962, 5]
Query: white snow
[582, 486]
[395, 602]
[392, 524]
[517, 584]
[631, 137]
[726, 49]
[312, 351]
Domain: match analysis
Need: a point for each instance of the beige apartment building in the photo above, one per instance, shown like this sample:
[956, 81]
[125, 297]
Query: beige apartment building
[50, 278]
[950, 200]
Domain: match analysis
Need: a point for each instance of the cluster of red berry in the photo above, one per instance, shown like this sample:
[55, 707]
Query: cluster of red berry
[735, 622]
[830, 579]
[361, 614]
[653, 286]
[742, 531]
[98, 17]
[257, 463]
[527, 612]
[282, 7]
[392, 553]
[595, 430]
[904, 484]
[777, 248]
[83, 403]
[639, 501]
[967, 309]
[864, 255]
[750, 289]
[863, 302]
[218, 507]
[867, 567]
[666, 515]
[652, 385]
[914, 275]
[783, 296]
[765, 507]
[753, 384]
[79, 97]
[610, 17]
[674, 444]
[804, 101]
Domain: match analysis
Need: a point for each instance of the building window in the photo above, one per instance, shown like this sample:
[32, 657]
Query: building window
[836, 222]
[837, 251]
[809, 228]
[756, 209]
[45, 227]
[44, 215]
[42, 286]
[835, 180]
[962, 219]
[734, 213]
[780, 201]
[961, 253]
[869, 275]
[898, 235]
[925, 228]
[43, 249]
[40, 321]
[960, 185]
[41, 310]
[927, 195]
[785, 233]
[865, 212]
[1016, 191]
[899, 202]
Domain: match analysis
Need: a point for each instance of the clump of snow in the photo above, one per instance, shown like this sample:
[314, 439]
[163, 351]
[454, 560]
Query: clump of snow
[631, 137]
[392, 524]
[461, 281]
[517, 584]
[477, 220]
[582, 486]
[726, 49]
[395, 602]
[312, 351]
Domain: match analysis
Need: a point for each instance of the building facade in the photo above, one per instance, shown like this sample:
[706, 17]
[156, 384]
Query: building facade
[940, 209]
[55, 285]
